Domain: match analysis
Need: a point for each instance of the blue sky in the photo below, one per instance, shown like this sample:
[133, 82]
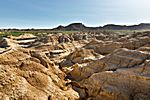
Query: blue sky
[51, 13]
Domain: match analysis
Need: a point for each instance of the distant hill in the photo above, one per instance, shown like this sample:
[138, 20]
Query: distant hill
[75, 27]
[142, 26]
[82, 27]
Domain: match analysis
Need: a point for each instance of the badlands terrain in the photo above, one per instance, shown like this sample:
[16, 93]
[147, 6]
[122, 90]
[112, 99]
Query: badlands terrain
[91, 65]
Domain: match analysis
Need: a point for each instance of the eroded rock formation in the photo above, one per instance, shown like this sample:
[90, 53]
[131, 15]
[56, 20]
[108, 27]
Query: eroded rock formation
[78, 66]
[32, 76]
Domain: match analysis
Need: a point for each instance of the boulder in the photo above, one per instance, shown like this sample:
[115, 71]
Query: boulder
[3, 42]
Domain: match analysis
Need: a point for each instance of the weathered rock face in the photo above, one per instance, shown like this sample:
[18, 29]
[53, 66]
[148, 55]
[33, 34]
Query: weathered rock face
[122, 75]
[32, 76]
[103, 47]
[121, 58]
[80, 56]
[116, 86]
[134, 43]
[24, 36]
[87, 66]
[145, 49]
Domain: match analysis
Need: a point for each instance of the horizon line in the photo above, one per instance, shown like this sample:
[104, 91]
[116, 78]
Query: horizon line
[88, 25]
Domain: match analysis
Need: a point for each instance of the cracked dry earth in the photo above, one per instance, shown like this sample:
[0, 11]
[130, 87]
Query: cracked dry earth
[91, 69]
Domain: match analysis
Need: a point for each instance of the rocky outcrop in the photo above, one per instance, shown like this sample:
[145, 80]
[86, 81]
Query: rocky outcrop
[135, 43]
[121, 58]
[122, 75]
[80, 56]
[32, 76]
[102, 47]
[94, 65]
[115, 86]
